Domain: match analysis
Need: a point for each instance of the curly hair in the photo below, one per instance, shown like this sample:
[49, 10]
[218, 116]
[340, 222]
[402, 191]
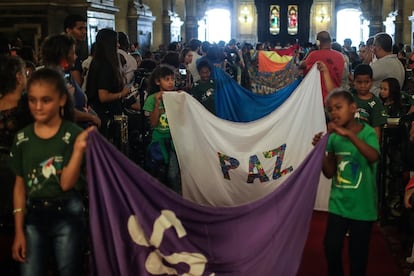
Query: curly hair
[55, 48]
[9, 67]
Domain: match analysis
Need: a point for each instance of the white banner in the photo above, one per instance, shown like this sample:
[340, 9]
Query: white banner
[226, 163]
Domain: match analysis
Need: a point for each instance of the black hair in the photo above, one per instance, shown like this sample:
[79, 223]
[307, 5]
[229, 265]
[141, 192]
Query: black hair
[336, 46]
[203, 64]
[55, 48]
[345, 94]
[70, 21]
[55, 78]
[9, 67]
[194, 44]
[123, 41]
[204, 46]
[158, 73]
[27, 53]
[172, 46]
[384, 41]
[171, 58]
[363, 70]
[370, 41]
[105, 54]
[394, 89]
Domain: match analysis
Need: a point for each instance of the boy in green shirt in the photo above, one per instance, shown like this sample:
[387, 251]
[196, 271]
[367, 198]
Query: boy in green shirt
[203, 90]
[369, 107]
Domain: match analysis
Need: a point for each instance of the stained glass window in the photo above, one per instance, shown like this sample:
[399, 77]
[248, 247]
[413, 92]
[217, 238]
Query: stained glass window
[274, 16]
[292, 19]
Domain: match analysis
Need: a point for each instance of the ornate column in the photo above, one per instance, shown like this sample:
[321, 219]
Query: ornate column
[399, 22]
[411, 18]
[374, 15]
[191, 20]
[166, 22]
[132, 19]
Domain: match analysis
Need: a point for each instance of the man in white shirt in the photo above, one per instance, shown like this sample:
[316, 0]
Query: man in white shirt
[387, 64]
[194, 45]
[130, 65]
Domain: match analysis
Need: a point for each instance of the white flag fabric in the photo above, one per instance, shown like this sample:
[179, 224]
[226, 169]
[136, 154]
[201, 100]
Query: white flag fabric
[226, 163]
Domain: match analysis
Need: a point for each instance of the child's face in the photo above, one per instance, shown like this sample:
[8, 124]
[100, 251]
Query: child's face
[362, 84]
[385, 90]
[204, 74]
[340, 111]
[166, 83]
[45, 102]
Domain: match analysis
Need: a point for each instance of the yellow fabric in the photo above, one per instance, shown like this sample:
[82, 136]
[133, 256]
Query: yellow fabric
[270, 61]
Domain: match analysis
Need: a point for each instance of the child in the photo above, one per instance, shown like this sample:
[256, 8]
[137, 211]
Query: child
[370, 108]
[351, 162]
[394, 144]
[203, 90]
[390, 94]
[47, 157]
[162, 162]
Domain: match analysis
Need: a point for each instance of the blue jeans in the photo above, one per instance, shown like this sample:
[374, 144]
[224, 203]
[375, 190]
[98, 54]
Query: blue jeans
[55, 228]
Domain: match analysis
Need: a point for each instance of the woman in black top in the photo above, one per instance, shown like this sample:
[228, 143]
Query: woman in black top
[105, 86]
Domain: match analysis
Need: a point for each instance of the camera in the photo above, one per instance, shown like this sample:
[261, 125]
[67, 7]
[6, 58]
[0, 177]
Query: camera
[67, 80]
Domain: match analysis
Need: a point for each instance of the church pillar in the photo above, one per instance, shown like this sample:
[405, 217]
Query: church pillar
[375, 25]
[411, 18]
[191, 20]
[399, 22]
[371, 12]
[166, 22]
[132, 21]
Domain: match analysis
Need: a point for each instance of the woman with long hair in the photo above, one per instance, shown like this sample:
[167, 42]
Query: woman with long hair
[105, 86]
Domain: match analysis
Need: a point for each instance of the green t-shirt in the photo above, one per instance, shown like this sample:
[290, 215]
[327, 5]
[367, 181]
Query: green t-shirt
[204, 93]
[354, 190]
[40, 161]
[161, 130]
[371, 111]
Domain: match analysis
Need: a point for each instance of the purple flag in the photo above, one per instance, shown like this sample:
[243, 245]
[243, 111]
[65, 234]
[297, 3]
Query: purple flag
[140, 227]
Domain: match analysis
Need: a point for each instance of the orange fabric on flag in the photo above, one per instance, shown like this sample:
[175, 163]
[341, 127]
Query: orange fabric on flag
[270, 61]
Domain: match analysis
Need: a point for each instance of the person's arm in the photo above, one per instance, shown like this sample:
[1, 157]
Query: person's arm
[329, 162]
[371, 154]
[378, 131]
[329, 84]
[70, 173]
[77, 76]
[154, 115]
[87, 117]
[106, 97]
[19, 203]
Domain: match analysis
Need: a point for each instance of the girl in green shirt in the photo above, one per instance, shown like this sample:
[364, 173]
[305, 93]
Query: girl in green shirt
[161, 158]
[47, 157]
[351, 162]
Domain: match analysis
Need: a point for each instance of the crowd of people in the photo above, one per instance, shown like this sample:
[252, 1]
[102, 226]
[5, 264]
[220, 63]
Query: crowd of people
[48, 107]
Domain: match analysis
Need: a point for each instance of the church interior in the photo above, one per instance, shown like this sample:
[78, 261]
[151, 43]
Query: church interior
[158, 22]
[155, 24]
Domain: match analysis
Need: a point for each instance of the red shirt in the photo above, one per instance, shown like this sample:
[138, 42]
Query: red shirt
[335, 62]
